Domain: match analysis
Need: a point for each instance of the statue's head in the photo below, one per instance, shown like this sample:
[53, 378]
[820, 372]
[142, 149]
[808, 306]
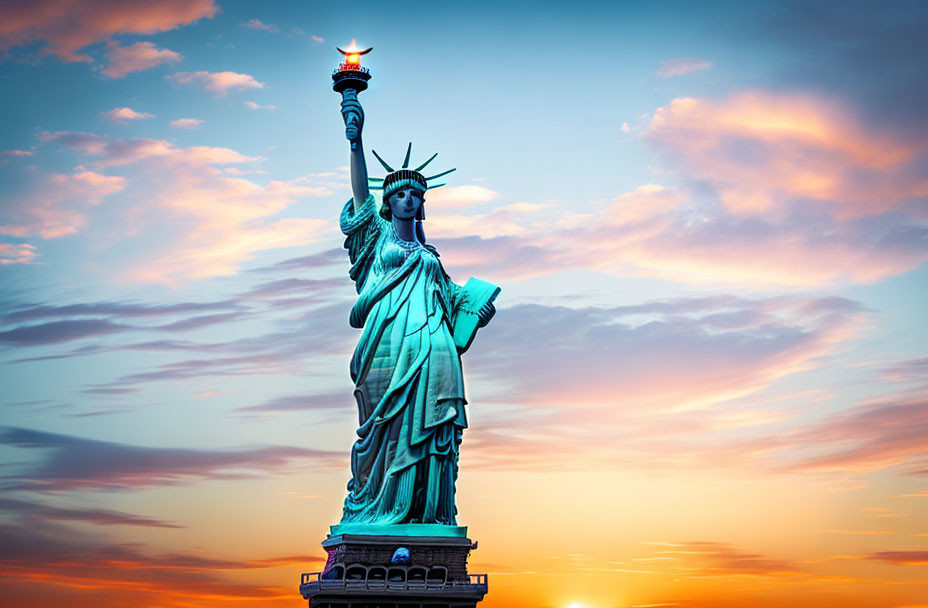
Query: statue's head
[403, 195]
[404, 188]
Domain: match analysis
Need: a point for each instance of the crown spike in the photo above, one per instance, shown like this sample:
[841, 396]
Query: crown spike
[406, 160]
[435, 186]
[422, 166]
[382, 161]
[440, 174]
[375, 179]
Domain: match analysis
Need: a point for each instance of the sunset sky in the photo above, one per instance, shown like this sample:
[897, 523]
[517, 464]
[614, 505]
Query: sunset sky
[707, 381]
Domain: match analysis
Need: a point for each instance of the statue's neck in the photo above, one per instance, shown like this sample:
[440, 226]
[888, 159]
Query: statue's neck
[405, 229]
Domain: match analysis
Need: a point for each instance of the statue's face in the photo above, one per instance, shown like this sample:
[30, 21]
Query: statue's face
[405, 203]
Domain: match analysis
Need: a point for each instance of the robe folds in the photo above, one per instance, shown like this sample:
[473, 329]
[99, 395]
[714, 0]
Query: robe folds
[406, 369]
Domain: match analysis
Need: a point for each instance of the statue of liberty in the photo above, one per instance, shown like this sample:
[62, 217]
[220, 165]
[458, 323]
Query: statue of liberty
[407, 365]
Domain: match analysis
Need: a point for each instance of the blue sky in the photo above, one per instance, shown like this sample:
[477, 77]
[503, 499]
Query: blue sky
[708, 220]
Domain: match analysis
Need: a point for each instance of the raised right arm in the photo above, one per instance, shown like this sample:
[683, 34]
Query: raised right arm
[353, 115]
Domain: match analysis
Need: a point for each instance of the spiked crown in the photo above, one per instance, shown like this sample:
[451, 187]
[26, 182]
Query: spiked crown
[404, 177]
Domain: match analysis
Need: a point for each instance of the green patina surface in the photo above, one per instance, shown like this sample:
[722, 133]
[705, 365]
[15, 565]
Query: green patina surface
[439, 530]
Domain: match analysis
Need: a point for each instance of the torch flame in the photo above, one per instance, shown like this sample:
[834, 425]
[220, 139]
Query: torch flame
[353, 54]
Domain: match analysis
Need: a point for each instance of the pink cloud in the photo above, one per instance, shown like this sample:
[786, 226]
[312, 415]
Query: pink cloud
[682, 65]
[17, 254]
[216, 221]
[762, 151]
[186, 123]
[775, 190]
[58, 205]
[219, 83]
[652, 386]
[122, 115]
[317, 39]
[134, 58]
[67, 26]
[877, 434]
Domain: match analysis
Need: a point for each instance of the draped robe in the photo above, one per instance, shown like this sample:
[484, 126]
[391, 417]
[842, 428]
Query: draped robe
[407, 374]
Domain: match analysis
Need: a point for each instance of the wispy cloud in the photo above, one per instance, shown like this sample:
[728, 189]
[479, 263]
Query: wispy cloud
[221, 220]
[6, 155]
[219, 83]
[644, 384]
[103, 517]
[44, 559]
[723, 559]
[140, 56]
[257, 106]
[901, 558]
[877, 434]
[67, 26]
[123, 115]
[682, 65]
[17, 253]
[69, 463]
[291, 403]
[773, 189]
[257, 24]
[58, 204]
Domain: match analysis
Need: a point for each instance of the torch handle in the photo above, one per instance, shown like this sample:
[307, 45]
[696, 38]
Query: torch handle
[351, 116]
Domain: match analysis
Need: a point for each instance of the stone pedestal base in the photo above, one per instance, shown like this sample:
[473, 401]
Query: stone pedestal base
[374, 571]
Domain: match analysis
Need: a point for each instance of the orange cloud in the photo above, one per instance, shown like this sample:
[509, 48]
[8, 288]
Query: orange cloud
[219, 83]
[899, 558]
[136, 57]
[67, 26]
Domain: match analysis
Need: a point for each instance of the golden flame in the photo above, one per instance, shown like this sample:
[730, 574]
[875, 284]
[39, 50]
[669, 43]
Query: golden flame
[354, 59]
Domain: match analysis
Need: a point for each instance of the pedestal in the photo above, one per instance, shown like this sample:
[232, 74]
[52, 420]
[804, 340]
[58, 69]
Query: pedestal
[373, 571]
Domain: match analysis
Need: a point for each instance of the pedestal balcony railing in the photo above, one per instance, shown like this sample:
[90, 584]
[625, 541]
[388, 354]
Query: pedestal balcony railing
[376, 578]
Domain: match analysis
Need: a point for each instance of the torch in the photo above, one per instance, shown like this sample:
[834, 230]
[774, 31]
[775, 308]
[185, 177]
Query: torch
[349, 78]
